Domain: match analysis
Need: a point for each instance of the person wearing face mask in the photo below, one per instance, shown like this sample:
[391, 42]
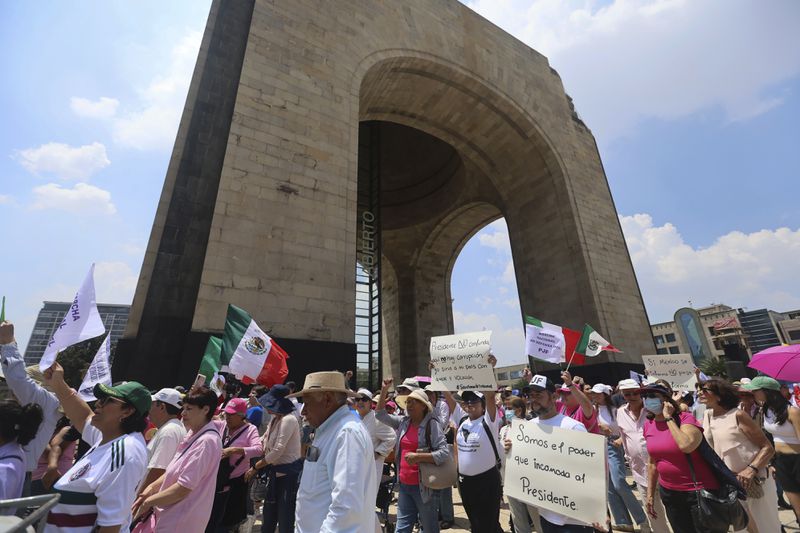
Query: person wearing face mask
[521, 513]
[672, 437]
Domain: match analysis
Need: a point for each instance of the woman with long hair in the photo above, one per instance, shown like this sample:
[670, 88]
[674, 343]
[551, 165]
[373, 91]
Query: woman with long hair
[18, 426]
[739, 441]
[282, 461]
[621, 499]
[97, 492]
[419, 440]
[181, 499]
[782, 421]
[673, 438]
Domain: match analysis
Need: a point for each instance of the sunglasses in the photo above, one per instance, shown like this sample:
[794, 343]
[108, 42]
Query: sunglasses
[631, 394]
[363, 399]
[105, 399]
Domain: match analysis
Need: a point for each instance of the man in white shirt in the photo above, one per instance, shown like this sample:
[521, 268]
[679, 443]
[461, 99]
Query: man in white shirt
[338, 486]
[164, 413]
[543, 405]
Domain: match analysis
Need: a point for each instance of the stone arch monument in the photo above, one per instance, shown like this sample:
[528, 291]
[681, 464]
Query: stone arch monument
[332, 153]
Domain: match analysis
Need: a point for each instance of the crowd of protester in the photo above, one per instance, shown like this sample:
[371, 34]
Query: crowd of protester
[318, 458]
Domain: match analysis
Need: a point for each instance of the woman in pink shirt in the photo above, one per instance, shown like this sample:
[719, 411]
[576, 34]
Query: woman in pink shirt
[182, 497]
[576, 405]
[672, 438]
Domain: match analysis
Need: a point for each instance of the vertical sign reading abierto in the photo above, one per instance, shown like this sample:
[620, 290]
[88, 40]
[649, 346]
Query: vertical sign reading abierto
[461, 362]
[558, 470]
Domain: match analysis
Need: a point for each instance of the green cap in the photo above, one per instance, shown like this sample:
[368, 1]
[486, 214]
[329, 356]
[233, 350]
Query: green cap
[132, 392]
[762, 382]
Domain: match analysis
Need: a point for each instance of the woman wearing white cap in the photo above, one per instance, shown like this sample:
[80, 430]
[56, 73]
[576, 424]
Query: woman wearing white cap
[419, 440]
[621, 500]
[383, 437]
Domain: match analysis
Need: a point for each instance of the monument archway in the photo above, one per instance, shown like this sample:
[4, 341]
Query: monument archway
[291, 105]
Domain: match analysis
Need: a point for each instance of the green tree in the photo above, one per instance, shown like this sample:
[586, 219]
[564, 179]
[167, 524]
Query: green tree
[714, 366]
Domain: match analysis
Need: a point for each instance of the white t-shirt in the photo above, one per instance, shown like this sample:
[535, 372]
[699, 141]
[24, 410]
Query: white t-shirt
[161, 448]
[475, 452]
[100, 488]
[563, 422]
[608, 418]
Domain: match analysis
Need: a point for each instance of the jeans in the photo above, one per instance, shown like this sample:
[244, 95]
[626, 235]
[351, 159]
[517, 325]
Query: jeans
[549, 527]
[281, 512]
[521, 515]
[446, 504]
[410, 507]
[682, 511]
[620, 496]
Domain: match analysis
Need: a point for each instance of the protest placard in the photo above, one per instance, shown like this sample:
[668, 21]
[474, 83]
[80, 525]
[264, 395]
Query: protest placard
[675, 369]
[461, 362]
[557, 470]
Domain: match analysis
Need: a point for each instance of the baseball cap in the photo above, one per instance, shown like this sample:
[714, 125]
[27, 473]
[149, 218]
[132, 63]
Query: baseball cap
[169, 396]
[364, 392]
[471, 396]
[602, 388]
[539, 383]
[131, 392]
[237, 406]
[762, 382]
[628, 384]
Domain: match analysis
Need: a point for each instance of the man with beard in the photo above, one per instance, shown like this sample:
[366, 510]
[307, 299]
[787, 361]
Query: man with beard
[543, 405]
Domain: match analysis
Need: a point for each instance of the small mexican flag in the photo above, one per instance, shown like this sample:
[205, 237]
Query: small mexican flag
[212, 361]
[3, 311]
[251, 354]
[591, 343]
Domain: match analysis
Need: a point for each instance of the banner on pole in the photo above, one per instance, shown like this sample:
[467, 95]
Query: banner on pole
[99, 371]
[460, 362]
[675, 369]
[81, 322]
[558, 470]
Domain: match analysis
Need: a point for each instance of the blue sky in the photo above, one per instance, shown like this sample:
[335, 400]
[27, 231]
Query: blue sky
[694, 105]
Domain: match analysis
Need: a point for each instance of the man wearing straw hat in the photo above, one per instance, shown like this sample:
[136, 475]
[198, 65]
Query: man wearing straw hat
[338, 486]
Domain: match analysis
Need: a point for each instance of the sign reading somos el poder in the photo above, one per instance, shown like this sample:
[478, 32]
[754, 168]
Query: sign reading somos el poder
[558, 470]
[675, 369]
[460, 362]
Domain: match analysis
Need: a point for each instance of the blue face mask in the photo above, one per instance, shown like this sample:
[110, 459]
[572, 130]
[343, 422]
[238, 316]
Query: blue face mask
[654, 405]
[509, 415]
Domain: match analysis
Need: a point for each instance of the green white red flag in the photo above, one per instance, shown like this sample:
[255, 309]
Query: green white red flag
[591, 343]
[252, 355]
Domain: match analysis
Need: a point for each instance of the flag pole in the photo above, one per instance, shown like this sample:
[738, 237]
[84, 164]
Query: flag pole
[571, 357]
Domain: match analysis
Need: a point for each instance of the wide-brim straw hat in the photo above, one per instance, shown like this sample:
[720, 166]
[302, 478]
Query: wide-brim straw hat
[324, 382]
[418, 395]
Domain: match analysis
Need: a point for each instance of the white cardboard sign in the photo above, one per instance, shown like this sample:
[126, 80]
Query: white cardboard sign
[557, 470]
[675, 369]
[461, 362]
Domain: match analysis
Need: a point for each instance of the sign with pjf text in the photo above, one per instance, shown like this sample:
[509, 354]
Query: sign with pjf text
[675, 369]
[461, 362]
[558, 470]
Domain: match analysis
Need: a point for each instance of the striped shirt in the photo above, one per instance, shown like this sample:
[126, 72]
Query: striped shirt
[100, 487]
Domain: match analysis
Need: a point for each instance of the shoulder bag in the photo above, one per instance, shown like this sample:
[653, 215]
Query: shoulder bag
[225, 466]
[439, 476]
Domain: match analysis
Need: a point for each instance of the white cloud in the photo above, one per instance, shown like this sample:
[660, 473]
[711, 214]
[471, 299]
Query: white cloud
[627, 61]
[64, 161]
[5, 199]
[82, 199]
[154, 124]
[104, 108]
[508, 344]
[739, 269]
[115, 282]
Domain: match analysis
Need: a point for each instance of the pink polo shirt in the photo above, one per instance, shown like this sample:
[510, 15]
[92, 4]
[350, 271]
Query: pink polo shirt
[671, 462]
[631, 430]
[590, 422]
[249, 440]
[194, 467]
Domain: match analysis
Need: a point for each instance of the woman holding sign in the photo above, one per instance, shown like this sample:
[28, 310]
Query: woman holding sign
[419, 440]
[479, 479]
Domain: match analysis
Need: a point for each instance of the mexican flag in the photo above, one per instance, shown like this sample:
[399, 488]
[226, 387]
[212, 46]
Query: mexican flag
[251, 354]
[591, 343]
[211, 363]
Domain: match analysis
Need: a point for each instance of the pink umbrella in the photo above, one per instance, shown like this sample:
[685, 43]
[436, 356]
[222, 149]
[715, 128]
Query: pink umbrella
[779, 362]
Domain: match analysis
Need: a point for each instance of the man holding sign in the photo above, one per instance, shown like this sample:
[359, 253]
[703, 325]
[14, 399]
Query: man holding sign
[564, 477]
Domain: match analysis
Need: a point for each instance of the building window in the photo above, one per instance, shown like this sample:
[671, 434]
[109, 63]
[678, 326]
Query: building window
[794, 334]
[661, 351]
[659, 340]
[502, 376]
[674, 349]
[515, 374]
[670, 337]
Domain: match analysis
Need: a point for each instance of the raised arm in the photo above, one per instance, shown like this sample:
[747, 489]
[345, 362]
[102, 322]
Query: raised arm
[583, 400]
[75, 408]
[686, 436]
[491, 404]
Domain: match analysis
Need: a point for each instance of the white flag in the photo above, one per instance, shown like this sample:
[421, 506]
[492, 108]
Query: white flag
[99, 371]
[81, 322]
[544, 341]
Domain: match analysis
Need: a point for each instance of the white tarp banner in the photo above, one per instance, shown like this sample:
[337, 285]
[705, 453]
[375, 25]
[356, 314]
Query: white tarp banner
[461, 362]
[99, 371]
[675, 369]
[557, 470]
[81, 322]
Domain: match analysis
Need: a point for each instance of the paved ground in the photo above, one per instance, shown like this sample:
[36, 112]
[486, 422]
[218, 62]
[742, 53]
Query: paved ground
[462, 524]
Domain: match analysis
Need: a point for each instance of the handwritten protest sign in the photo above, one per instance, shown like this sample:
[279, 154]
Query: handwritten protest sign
[557, 470]
[675, 369]
[460, 362]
